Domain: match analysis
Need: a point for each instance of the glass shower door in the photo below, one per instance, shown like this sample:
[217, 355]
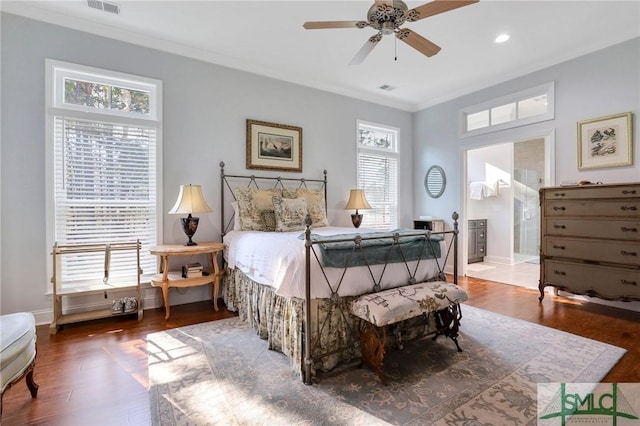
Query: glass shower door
[526, 215]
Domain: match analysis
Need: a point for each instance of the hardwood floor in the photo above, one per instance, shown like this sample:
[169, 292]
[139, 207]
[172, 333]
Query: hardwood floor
[95, 373]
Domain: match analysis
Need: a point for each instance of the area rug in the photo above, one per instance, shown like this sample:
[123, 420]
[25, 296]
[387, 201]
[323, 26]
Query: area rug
[221, 372]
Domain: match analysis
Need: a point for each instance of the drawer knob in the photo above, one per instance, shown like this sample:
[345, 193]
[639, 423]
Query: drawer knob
[559, 247]
[562, 194]
[625, 229]
[628, 253]
[625, 282]
[555, 271]
[561, 208]
[625, 208]
[628, 192]
[559, 227]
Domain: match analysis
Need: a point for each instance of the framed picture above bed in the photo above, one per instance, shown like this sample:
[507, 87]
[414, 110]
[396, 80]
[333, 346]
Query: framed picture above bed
[605, 142]
[272, 146]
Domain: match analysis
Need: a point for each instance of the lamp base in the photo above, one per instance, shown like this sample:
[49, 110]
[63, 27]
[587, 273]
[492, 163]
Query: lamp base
[356, 219]
[190, 226]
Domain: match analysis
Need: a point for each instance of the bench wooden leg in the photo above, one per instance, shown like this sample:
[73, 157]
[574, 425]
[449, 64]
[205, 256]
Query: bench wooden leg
[448, 323]
[372, 346]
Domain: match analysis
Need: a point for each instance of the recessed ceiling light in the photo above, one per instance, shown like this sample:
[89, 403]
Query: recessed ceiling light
[502, 38]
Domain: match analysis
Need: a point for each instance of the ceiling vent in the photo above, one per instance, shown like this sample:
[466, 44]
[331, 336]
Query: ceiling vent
[104, 5]
[386, 87]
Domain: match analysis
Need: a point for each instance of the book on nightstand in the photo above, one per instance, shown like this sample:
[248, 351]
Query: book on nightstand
[191, 270]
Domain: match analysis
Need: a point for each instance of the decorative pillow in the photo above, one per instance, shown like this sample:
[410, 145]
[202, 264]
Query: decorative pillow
[315, 203]
[268, 218]
[290, 213]
[251, 202]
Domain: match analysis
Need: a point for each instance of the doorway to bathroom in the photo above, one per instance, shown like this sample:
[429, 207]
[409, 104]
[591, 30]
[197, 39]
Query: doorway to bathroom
[510, 175]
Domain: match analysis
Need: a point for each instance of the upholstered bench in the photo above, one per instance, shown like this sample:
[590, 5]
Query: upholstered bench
[18, 351]
[383, 308]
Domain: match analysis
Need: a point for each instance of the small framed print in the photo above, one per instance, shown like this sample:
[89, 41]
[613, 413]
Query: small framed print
[272, 146]
[605, 142]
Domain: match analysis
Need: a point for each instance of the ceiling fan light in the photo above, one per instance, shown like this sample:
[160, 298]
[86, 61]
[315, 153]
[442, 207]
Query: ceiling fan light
[502, 38]
[387, 28]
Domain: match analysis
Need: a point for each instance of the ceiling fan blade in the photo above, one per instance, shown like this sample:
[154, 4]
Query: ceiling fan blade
[366, 49]
[418, 42]
[320, 25]
[435, 7]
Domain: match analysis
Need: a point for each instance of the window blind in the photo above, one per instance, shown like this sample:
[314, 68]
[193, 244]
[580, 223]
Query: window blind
[104, 193]
[378, 177]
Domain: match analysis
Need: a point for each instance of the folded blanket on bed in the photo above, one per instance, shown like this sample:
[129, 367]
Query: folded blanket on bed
[340, 251]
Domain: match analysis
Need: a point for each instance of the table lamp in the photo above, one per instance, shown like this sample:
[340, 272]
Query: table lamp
[357, 200]
[190, 200]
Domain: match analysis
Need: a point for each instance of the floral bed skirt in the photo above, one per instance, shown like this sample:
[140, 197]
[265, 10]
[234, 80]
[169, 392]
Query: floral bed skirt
[280, 321]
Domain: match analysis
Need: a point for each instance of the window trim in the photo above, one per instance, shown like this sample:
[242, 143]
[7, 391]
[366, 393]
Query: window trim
[53, 108]
[543, 89]
[395, 152]
[61, 70]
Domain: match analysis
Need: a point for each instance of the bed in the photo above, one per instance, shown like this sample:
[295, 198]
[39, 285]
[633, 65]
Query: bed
[292, 276]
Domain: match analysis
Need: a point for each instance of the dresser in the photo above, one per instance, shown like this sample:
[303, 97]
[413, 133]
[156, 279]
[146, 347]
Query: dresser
[590, 240]
[477, 240]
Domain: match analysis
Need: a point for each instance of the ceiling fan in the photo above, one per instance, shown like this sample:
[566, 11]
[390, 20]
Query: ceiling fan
[387, 16]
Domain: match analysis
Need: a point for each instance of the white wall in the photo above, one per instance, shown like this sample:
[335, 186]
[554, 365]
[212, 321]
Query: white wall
[205, 108]
[599, 84]
[595, 85]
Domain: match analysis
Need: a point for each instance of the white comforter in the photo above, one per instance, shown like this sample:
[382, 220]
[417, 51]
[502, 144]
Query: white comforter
[277, 259]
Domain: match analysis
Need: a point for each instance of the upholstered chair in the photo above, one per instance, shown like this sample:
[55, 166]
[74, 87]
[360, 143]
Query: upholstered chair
[17, 351]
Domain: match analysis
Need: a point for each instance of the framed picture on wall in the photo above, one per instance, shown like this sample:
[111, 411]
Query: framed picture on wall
[272, 146]
[605, 142]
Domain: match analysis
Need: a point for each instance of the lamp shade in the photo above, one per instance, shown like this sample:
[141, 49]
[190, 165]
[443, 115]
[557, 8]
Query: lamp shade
[190, 200]
[357, 200]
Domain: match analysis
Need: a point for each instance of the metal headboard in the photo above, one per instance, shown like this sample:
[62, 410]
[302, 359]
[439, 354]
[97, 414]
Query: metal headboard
[256, 181]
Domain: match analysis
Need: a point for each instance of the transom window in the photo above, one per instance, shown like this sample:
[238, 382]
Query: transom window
[102, 144]
[525, 107]
[377, 171]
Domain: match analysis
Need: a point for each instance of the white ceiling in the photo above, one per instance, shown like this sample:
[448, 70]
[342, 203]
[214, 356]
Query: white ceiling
[266, 37]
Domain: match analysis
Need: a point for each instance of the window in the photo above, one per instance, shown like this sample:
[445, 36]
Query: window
[377, 171]
[525, 107]
[102, 143]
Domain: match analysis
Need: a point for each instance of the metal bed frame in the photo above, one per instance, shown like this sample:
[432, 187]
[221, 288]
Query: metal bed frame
[310, 245]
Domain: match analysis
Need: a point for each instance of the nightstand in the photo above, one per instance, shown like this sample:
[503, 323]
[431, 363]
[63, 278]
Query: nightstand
[166, 279]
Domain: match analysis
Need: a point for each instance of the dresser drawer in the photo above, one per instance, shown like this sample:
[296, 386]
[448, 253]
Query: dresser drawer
[612, 208]
[623, 252]
[593, 228]
[477, 223]
[593, 280]
[596, 191]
